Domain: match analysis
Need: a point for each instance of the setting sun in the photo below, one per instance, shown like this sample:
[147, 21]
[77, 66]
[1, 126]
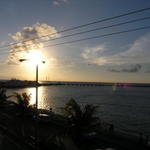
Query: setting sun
[75, 74]
[35, 57]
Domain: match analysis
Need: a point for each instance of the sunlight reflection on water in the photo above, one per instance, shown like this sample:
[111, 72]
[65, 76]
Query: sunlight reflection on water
[41, 97]
[44, 96]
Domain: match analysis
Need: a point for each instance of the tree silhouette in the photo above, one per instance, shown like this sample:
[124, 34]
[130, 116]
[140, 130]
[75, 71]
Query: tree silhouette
[3, 96]
[81, 120]
[23, 109]
[23, 104]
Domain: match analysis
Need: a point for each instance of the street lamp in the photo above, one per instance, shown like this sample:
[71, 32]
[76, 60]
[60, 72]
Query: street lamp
[36, 103]
[37, 70]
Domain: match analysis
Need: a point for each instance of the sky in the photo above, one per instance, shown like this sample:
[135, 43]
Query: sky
[117, 58]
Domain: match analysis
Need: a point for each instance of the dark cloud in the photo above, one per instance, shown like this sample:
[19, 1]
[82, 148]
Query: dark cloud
[147, 71]
[114, 70]
[134, 68]
[131, 69]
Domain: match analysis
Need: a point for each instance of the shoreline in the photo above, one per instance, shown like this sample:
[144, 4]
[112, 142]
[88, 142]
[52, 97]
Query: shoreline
[25, 84]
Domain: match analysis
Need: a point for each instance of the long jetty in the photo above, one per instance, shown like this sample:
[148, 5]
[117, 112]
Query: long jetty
[25, 83]
[95, 84]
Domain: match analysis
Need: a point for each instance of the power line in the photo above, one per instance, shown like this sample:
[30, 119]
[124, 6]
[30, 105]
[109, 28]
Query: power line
[83, 25]
[96, 37]
[99, 36]
[96, 29]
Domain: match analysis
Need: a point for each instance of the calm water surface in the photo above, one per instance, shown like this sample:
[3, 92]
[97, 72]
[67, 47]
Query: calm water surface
[127, 108]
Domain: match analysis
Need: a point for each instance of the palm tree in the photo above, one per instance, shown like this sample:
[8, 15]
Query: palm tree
[23, 104]
[3, 96]
[23, 108]
[5, 104]
[81, 120]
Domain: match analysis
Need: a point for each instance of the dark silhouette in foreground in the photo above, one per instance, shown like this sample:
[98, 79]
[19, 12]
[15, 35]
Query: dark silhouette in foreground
[81, 121]
[76, 127]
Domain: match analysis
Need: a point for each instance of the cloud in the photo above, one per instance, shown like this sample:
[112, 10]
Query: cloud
[114, 70]
[132, 69]
[92, 54]
[59, 2]
[61, 63]
[27, 40]
[147, 71]
[138, 53]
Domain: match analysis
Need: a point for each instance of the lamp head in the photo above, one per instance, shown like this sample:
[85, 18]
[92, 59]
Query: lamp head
[21, 60]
